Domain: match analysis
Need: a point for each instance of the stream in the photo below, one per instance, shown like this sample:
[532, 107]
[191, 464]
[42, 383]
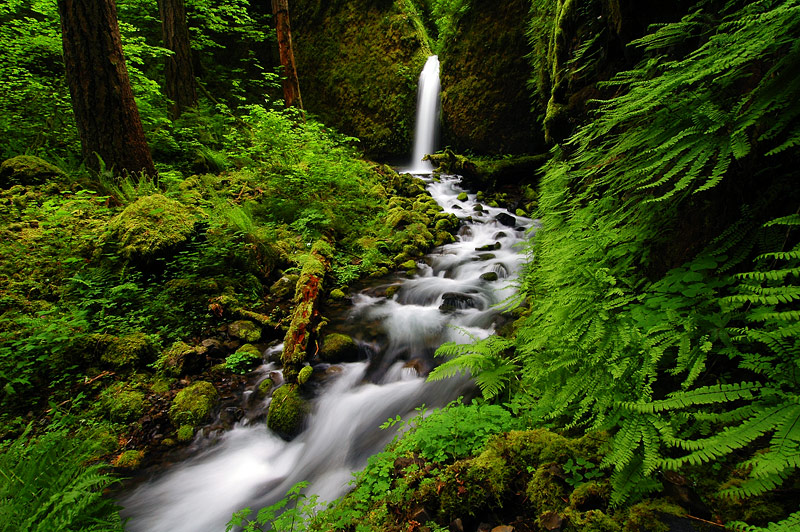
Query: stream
[452, 297]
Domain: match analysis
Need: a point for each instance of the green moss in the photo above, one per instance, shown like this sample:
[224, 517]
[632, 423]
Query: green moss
[193, 404]
[337, 294]
[129, 459]
[27, 170]
[122, 403]
[304, 374]
[646, 516]
[129, 351]
[151, 226]
[287, 411]
[185, 433]
[245, 330]
[337, 347]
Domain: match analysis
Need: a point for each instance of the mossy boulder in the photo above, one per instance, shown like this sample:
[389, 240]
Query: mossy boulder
[304, 374]
[180, 359]
[127, 352]
[27, 170]
[287, 411]
[284, 287]
[337, 347]
[194, 404]
[121, 403]
[152, 226]
[128, 459]
[245, 330]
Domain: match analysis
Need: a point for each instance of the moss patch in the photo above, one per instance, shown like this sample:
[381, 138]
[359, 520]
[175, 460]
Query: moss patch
[27, 170]
[287, 411]
[337, 347]
[193, 404]
[150, 226]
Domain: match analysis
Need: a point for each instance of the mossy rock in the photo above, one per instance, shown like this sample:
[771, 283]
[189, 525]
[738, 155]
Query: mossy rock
[462, 196]
[409, 265]
[337, 294]
[245, 330]
[180, 359]
[337, 347]
[284, 287]
[151, 226]
[185, 433]
[128, 459]
[304, 374]
[27, 170]
[122, 403]
[287, 411]
[129, 351]
[194, 404]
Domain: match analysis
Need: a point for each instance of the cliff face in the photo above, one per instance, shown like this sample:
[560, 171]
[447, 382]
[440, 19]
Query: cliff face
[486, 107]
[358, 63]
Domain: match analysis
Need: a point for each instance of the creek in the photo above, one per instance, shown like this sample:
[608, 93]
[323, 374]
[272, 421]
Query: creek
[452, 297]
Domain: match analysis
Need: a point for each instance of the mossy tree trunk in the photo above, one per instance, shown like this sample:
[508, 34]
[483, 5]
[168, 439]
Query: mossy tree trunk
[105, 112]
[291, 85]
[178, 69]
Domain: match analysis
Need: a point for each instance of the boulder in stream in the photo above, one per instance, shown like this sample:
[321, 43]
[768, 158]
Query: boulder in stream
[337, 347]
[506, 219]
[453, 301]
[287, 411]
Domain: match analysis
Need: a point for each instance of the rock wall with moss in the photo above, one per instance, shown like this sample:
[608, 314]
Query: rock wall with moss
[358, 64]
[486, 106]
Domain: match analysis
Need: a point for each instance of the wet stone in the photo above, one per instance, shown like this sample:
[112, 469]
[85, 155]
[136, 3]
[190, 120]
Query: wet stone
[452, 301]
[489, 276]
[506, 219]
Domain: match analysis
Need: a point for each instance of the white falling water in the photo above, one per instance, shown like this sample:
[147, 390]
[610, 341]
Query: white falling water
[427, 117]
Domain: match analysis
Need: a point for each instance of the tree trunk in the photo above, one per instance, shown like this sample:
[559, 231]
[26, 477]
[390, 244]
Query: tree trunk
[105, 111]
[179, 72]
[291, 86]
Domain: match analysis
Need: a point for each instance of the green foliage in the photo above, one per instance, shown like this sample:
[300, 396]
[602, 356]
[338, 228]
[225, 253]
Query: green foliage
[453, 432]
[446, 15]
[47, 485]
[286, 515]
[243, 359]
[486, 361]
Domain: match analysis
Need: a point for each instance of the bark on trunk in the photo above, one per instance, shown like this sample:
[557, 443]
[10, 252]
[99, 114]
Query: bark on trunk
[291, 86]
[178, 69]
[105, 111]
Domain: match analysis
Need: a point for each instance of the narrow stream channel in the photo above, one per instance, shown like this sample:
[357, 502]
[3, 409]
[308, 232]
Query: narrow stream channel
[453, 297]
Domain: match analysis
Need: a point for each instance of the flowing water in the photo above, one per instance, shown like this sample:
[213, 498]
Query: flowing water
[450, 299]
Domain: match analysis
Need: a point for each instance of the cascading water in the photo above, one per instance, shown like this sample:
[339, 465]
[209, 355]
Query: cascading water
[452, 298]
[427, 117]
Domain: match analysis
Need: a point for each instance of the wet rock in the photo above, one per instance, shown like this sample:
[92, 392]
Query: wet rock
[489, 247]
[489, 276]
[245, 330]
[213, 347]
[462, 196]
[506, 219]
[229, 416]
[284, 287]
[337, 294]
[500, 234]
[478, 208]
[486, 256]
[457, 207]
[27, 170]
[337, 347]
[417, 364]
[452, 301]
[180, 359]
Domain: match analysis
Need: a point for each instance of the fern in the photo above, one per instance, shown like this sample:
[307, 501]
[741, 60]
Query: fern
[483, 359]
[790, 524]
[48, 486]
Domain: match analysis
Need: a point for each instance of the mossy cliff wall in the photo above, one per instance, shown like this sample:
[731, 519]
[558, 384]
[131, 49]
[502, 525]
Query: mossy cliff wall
[359, 62]
[486, 106]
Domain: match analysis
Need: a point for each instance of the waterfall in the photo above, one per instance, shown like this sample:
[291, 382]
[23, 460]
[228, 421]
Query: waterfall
[427, 117]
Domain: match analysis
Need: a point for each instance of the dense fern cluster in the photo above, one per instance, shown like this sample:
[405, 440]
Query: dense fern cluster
[687, 351]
